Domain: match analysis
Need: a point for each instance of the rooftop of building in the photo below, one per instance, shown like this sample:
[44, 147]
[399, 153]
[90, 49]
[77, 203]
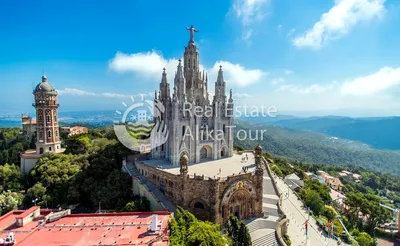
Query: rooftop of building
[211, 168]
[132, 228]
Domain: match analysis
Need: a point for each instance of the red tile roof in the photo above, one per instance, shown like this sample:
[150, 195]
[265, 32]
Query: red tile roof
[27, 212]
[89, 229]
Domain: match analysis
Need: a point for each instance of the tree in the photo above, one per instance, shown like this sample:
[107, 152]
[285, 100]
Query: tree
[313, 200]
[364, 239]
[11, 178]
[186, 230]
[238, 231]
[78, 144]
[139, 204]
[330, 213]
[9, 201]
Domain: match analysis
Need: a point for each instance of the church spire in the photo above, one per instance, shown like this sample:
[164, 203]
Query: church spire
[220, 77]
[164, 77]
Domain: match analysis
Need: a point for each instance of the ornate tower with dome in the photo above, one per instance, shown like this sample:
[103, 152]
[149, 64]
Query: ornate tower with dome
[47, 130]
[200, 136]
[47, 135]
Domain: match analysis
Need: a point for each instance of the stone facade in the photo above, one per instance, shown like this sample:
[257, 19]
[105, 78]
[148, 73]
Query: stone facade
[201, 138]
[208, 198]
[191, 132]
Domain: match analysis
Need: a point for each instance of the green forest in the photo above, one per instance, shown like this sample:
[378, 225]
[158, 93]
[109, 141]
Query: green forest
[318, 148]
[85, 177]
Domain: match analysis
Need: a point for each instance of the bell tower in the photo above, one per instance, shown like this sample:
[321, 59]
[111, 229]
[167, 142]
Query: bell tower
[47, 131]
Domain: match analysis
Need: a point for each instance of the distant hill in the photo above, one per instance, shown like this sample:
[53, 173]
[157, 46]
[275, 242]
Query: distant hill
[378, 132]
[320, 148]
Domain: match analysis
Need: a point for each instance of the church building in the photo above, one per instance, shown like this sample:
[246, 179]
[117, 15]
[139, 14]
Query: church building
[196, 167]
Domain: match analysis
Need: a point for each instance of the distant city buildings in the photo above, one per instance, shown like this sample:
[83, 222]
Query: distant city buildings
[74, 130]
[37, 226]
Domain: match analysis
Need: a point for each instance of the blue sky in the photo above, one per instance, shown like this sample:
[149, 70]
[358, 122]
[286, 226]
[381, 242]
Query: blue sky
[310, 57]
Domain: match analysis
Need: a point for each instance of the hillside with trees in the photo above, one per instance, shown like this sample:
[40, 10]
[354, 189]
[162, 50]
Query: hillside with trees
[298, 145]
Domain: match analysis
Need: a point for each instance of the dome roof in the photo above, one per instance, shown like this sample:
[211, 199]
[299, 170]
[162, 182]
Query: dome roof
[259, 148]
[44, 86]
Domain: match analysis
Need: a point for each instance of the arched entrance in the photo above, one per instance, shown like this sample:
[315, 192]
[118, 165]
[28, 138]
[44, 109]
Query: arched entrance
[239, 199]
[223, 152]
[205, 153]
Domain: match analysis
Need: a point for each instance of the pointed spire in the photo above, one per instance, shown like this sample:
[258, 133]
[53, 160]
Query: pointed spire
[203, 76]
[179, 73]
[164, 77]
[220, 77]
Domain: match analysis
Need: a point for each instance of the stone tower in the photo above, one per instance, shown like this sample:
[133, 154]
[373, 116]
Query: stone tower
[47, 131]
[199, 136]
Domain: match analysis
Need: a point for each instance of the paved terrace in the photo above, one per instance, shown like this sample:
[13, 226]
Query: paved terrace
[210, 168]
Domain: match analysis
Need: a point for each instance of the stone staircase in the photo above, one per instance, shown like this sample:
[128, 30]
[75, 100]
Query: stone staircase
[268, 239]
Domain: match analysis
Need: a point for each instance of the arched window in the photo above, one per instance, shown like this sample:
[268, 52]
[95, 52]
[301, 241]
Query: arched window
[41, 151]
[189, 63]
[56, 133]
[198, 205]
[40, 135]
[49, 148]
[40, 117]
[48, 118]
[55, 117]
[49, 134]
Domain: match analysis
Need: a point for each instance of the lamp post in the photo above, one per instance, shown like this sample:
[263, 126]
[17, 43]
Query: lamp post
[34, 201]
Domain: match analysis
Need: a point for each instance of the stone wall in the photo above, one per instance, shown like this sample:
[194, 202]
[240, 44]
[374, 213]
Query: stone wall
[204, 196]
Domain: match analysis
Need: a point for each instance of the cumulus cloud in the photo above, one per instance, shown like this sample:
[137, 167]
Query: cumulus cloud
[237, 74]
[339, 20]
[382, 80]
[73, 91]
[146, 64]
[150, 64]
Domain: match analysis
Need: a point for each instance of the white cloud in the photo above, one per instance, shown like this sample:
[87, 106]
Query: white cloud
[150, 65]
[278, 81]
[249, 12]
[312, 89]
[238, 75]
[339, 20]
[382, 80]
[279, 27]
[147, 64]
[77, 92]
[73, 91]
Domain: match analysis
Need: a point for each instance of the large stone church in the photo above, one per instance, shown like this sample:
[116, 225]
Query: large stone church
[196, 167]
[192, 118]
